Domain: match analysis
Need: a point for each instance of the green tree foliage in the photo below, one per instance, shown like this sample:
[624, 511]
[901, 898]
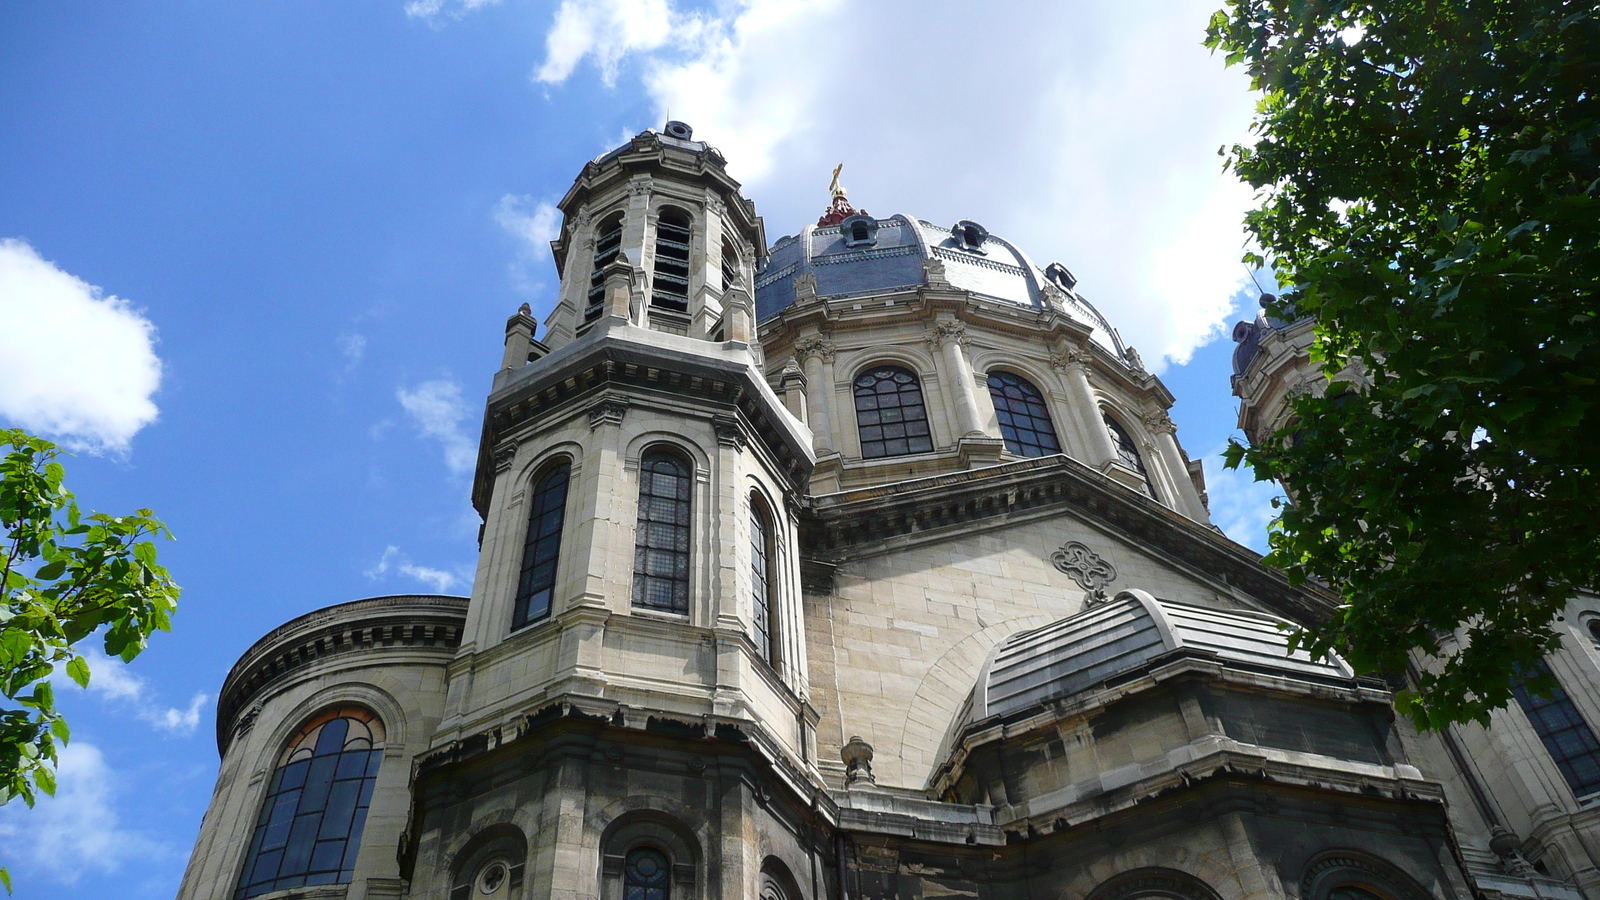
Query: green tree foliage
[1427, 181]
[64, 576]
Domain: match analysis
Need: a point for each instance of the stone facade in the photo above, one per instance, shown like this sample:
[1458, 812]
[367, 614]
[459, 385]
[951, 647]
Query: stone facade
[886, 630]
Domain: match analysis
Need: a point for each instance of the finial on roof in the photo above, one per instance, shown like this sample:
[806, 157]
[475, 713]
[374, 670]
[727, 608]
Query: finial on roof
[839, 209]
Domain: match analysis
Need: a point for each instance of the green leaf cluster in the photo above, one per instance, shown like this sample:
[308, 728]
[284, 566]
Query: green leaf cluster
[63, 576]
[1427, 184]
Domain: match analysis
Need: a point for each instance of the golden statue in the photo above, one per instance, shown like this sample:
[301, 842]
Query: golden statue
[835, 188]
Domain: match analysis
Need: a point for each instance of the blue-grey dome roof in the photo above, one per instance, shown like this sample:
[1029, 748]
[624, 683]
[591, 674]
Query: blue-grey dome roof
[1084, 650]
[892, 259]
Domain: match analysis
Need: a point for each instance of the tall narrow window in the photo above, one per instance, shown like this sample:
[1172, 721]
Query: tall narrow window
[607, 244]
[1565, 734]
[1024, 420]
[730, 265]
[542, 547]
[890, 414]
[1128, 451]
[669, 288]
[761, 557]
[661, 546]
[309, 829]
[646, 875]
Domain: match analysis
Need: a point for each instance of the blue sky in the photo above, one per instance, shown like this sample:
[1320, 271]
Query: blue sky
[255, 260]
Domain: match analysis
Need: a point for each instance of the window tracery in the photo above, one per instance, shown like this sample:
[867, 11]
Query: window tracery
[309, 829]
[1128, 452]
[890, 413]
[661, 542]
[1024, 419]
[761, 558]
[646, 875]
[541, 548]
[1565, 734]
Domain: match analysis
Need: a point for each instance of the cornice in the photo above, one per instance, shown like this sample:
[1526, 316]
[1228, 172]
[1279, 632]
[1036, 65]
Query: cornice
[408, 622]
[853, 524]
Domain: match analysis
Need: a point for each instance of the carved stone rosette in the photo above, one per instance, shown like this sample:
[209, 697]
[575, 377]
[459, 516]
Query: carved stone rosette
[1089, 569]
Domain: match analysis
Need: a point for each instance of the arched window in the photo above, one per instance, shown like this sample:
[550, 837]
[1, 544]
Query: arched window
[646, 875]
[730, 265]
[309, 829]
[607, 244]
[1566, 735]
[890, 414]
[761, 580]
[1024, 420]
[542, 547]
[1128, 451]
[1594, 630]
[1352, 892]
[858, 231]
[669, 287]
[661, 544]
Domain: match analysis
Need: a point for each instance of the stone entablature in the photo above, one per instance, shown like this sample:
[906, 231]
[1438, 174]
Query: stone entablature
[430, 623]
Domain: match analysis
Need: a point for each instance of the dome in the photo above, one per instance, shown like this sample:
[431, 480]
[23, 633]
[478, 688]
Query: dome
[1124, 635]
[862, 256]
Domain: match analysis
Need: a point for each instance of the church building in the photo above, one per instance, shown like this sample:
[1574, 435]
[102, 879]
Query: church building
[861, 565]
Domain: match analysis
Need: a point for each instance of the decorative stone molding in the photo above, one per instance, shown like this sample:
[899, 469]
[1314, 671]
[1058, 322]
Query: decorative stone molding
[1506, 845]
[1332, 871]
[717, 208]
[933, 272]
[805, 287]
[1135, 363]
[504, 455]
[1089, 569]
[639, 187]
[819, 347]
[1155, 883]
[1158, 422]
[729, 432]
[1071, 358]
[608, 411]
[943, 332]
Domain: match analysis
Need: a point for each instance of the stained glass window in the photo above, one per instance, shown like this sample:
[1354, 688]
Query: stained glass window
[540, 550]
[1024, 420]
[669, 287]
[890, 414]
[646, 875]
[1128, 451]
[309, 829]
[661, 544]
[761, 577]
[1565, 734]
[607, 243]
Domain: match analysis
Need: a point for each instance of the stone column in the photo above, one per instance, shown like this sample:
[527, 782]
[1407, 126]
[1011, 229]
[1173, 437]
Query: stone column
[1164, 433]
[1074, 368]
[816, 356]
[955, 373]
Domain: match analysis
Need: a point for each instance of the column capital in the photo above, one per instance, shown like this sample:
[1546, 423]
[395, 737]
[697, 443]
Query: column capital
[943, 332]
[1158, 422]
[1071, 358]
[820, 347]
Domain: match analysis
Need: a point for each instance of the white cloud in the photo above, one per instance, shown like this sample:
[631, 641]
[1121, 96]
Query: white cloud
[110, 679]
[536, 229]
[534, 225]
[393, 560]
[1084, 133]
[437, 409]
[78, 829]
[353, 347]
[1240, 505]
[79, 366]
[433, 10]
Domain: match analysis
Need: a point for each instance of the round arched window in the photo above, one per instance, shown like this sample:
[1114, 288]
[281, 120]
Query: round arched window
[646, 875]
[309, 829]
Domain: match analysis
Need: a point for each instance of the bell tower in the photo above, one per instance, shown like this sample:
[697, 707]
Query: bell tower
[638, 478]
